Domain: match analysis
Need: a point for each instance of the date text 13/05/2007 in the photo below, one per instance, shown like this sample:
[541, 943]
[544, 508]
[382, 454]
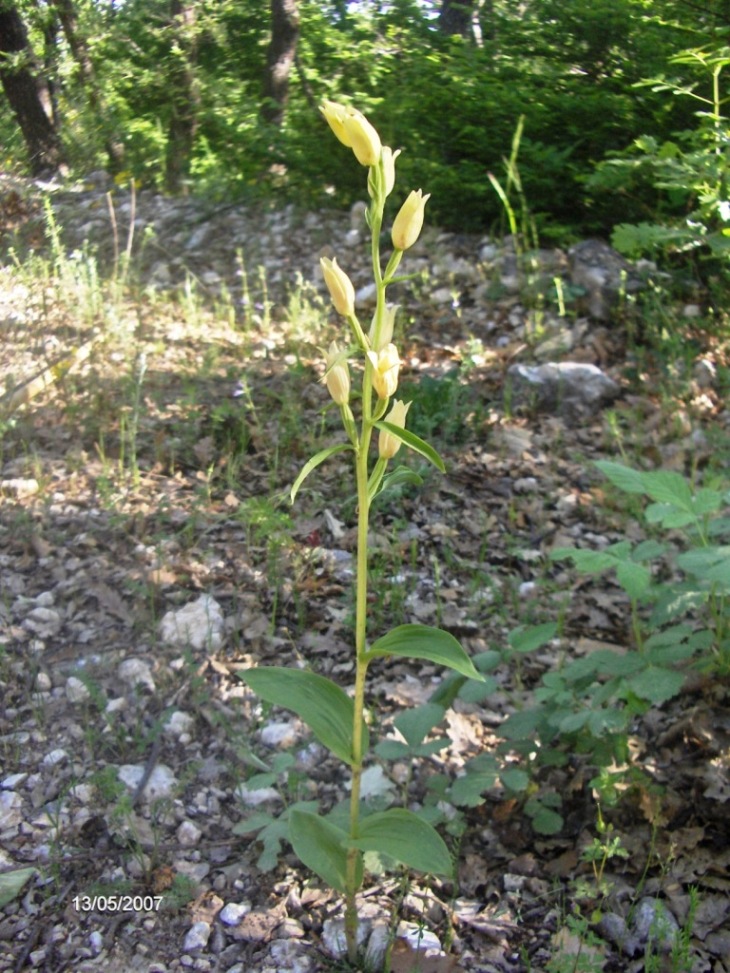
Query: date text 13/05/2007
[117, 903]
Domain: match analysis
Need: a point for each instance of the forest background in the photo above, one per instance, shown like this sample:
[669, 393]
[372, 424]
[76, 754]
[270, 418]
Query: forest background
[220, 98]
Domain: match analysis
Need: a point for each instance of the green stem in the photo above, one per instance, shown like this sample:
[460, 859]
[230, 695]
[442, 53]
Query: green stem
[353, 871]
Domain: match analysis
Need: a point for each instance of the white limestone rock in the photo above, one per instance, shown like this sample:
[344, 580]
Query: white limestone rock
[199, 624]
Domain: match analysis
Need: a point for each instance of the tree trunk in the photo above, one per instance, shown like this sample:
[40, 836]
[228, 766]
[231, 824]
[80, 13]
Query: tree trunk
[27, 96]
[456, 17]
[184, 96]
[280, 59]
[89, 83]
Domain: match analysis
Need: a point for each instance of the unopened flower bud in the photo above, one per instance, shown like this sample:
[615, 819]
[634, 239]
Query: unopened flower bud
[335, 115]
[386, 328]
[337, 376]
[386, 364]
[388, 158]
[409, 221]
[339, 285]
[388, 444]
[355, 131]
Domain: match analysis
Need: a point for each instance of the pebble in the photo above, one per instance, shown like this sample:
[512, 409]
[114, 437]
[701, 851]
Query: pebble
[43, 682]
[289, 956]
[54, 757]
[76, 691]
[96, 942]
[162, 782]
[188, 834]
[280, 735]
[197, 936]
[653, 922]
[10, 809]
[199, 624]
[259, 795]
[135, 672]
[179, 725]
[232, 913]
[19, 488]
[43, 622]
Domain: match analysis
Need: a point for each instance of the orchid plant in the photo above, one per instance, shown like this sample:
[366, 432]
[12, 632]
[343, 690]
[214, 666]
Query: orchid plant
[336, 717]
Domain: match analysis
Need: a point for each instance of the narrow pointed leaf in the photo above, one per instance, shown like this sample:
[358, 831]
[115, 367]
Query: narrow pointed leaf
[408, 839]
[321, 846]
[314, 462]
[413, 441]
[425, 642]
[326, 709]
[401, 476]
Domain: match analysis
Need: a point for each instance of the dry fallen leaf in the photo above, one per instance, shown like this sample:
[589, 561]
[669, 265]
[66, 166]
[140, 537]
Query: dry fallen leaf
[405, 959]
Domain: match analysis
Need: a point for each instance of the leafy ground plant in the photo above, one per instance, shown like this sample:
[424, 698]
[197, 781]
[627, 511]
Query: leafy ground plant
[334, 852]
[678, 590]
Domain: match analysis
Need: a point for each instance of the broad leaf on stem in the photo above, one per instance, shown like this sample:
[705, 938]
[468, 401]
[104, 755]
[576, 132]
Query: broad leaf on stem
[321, 846]
[326, 709]
[406, 838]
[425, 642]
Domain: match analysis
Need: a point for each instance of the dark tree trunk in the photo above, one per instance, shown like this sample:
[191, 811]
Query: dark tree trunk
[280, 59]
[87, 74]
[455, 17]
[27, 96]
[184, 96]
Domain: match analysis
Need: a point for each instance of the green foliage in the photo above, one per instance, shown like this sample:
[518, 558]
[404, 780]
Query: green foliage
[566, 66]
[688, 171]
[679, 601]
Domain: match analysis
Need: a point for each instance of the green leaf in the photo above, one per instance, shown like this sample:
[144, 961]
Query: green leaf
[592, 562]
[314, 462]
[480, 774]
[668, 516]
[415, 724]
[666, 486]
[392, 750]
[322, 847]
[406, 838]
[520, 725]
[413, 441]
[573, 722]
[514, 779]
[633, 578]
[12, 883]
[326, 709]
[425, 642]
[401, 476]
[709, 563]
[544, 819]
[467, 791]
[648, 550]
[656, 684]
[272, 832]
[531, 638]
[477, 692]
[623, 477]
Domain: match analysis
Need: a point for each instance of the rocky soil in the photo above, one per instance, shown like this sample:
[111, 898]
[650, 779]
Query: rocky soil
[161, 392]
